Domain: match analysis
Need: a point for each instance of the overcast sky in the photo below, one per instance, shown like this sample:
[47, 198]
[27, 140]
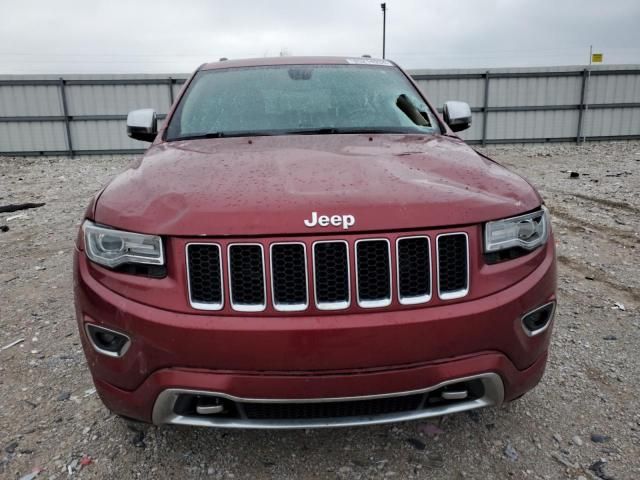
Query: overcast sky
[140, 36]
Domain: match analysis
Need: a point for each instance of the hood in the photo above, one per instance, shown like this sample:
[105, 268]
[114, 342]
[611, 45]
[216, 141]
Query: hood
[270, 185]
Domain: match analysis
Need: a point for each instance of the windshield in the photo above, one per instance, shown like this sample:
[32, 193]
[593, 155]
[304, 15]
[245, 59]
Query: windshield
[298, 99]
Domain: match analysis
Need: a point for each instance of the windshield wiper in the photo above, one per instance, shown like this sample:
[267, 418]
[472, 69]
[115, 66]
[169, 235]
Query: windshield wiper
[196, 136]
[354, 130]
[301, 131]
[248, 133]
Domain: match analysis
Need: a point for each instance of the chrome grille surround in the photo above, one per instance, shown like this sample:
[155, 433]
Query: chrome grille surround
[410, 272]
[247, 307]
[284, 307]
[414, 300]
[205, 305]
[383, 301]
[340, 305]
[459, 293]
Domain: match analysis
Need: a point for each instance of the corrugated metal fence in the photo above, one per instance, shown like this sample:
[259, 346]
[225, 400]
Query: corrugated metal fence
[80, 114]
[548, 104]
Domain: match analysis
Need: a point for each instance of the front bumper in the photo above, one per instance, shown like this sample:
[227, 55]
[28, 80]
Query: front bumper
[296, 359]
[152, 401]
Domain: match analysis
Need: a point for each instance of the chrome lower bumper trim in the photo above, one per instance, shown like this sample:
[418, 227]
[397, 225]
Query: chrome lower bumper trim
[163, 411]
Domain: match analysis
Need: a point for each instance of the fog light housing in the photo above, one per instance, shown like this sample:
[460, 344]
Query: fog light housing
[538, 320]
[107, 341]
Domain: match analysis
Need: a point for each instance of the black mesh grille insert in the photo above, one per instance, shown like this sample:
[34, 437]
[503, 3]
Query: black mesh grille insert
[204, 274]
[453, 264]
[288, 263]
[414, 275]
[332, 277]
[331, 272]
[374, 274]
[247, 275]
[378, 406]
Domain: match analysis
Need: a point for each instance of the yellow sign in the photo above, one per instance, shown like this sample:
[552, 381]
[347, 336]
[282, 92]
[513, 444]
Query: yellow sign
[597, 57]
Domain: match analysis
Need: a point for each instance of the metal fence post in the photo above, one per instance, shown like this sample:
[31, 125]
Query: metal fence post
[65, 113]
[485, 109]
[582, 106]
[170, 80]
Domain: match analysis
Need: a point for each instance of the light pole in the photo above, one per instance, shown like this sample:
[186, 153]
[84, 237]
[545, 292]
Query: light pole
[384, 27]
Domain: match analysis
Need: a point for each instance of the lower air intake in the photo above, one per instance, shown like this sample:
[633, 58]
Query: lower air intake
[295, 411]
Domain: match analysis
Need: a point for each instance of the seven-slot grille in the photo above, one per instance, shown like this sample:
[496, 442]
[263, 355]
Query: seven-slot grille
[328, 271]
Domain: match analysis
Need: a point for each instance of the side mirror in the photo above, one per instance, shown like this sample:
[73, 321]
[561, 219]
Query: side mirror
[142, 124]
[457, 115]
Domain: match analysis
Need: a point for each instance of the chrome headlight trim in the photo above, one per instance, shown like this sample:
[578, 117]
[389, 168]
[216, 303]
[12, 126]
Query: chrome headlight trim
[527, 231]
[125, 247]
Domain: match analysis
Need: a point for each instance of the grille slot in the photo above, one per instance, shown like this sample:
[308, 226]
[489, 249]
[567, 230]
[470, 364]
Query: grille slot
[331, 270]
[414, 270]
[453, 265]
[373, 273]
[246, 277]
[289, 276]
[204, 272]
[337, 409]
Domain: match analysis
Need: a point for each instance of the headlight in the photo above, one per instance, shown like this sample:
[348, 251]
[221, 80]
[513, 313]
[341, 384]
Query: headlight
[112, 248]
[526, 231]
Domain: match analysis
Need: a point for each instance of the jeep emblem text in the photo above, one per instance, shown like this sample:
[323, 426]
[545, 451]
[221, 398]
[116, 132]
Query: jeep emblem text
[336, 220]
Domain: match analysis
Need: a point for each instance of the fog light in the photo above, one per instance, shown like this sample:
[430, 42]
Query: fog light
[538, 320]
[209, 406]
[194, 404]
[107, 341]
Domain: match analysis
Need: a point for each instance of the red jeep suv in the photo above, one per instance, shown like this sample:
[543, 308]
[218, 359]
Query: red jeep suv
[307, 243]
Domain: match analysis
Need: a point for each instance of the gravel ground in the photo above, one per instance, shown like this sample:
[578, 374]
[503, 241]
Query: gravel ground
[581, 422]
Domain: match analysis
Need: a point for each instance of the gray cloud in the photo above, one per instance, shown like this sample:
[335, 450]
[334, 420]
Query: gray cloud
[79, 36]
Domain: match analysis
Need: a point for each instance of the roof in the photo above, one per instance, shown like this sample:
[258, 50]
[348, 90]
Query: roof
[258, 62]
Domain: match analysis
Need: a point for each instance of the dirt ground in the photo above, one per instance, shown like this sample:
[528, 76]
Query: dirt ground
[581, 422]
